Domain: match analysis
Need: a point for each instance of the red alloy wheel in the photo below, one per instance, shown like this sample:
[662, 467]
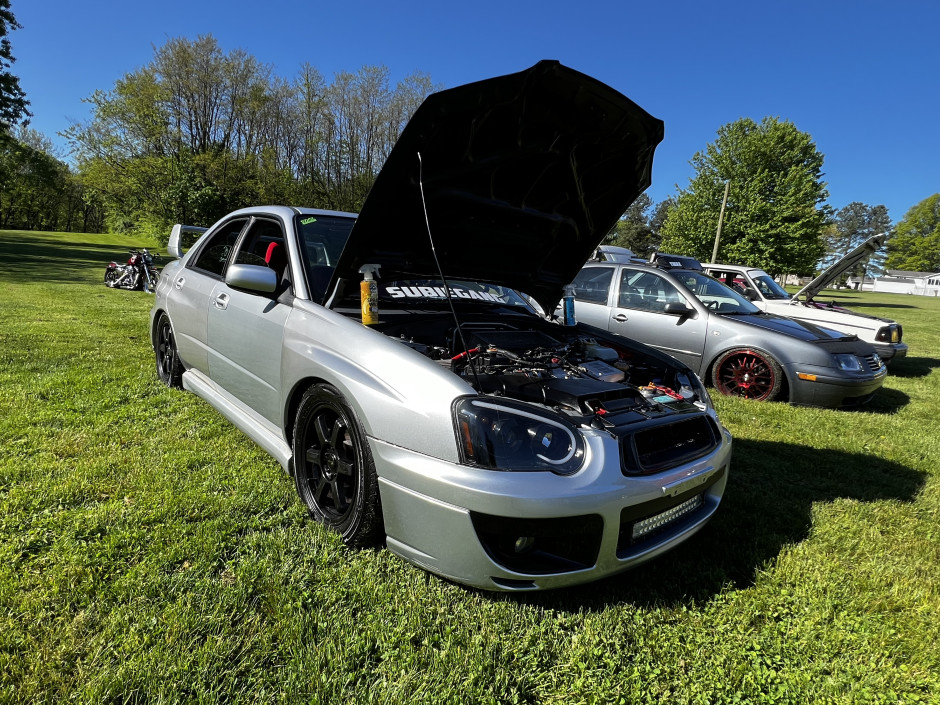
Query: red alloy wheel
[748, 374]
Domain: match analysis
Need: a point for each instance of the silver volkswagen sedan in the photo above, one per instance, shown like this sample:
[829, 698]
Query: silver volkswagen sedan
[390, 364]
[671, 304]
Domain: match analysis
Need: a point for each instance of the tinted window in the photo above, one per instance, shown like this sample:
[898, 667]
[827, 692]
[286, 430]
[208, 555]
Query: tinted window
[214, 254]
[262, 236]
[646, 291]
[592, 284]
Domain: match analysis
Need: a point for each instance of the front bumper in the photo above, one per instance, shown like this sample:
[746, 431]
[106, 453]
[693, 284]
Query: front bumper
[891, 351]
[467, 523]
[829, 389]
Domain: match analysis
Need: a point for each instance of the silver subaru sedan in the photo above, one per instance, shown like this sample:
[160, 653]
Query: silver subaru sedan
[394, 365]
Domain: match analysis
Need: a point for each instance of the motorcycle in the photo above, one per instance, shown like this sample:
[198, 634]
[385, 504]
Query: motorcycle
[140, 272]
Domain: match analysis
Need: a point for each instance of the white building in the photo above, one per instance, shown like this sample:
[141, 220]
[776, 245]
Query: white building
[897, 281]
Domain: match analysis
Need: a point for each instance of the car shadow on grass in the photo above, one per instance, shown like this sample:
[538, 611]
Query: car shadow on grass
[913, 367]
[885, 401]
[767, 506]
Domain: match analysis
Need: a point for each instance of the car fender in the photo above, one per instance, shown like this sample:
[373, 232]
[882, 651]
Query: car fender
[409, 396]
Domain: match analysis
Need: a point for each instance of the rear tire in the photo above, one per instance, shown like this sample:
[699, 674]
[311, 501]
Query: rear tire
[110, 276]
[169, 366]
[333, 467]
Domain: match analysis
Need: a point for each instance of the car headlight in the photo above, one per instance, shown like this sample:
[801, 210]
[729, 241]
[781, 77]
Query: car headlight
[847, 362]
[503, 435]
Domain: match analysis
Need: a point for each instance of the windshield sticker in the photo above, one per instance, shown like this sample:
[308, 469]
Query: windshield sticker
[307, 221]
[437, 292]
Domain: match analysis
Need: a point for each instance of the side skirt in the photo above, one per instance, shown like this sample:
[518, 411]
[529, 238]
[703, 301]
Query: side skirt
[257, 428]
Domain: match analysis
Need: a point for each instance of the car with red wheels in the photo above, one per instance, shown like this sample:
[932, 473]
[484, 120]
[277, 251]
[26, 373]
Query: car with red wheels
[671, 304]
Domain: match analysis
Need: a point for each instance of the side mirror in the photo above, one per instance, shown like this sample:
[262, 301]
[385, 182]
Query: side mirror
[252, 277]
[751, 295]
[678, 309]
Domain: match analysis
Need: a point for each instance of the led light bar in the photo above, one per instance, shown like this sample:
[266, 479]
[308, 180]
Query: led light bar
[658, 521]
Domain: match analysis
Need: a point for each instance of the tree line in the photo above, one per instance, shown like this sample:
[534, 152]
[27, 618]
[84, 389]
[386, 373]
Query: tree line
[198, 132]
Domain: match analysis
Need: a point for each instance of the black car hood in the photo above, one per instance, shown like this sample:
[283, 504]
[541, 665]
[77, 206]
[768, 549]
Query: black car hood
[804, 330]
[523, 176]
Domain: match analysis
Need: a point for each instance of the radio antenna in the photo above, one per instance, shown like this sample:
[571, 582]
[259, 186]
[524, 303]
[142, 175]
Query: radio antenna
[450, 299]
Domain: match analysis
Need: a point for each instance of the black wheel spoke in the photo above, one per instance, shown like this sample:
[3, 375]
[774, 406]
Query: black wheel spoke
[321, 427]
[338, 434]
[346, 468]
[339, 499]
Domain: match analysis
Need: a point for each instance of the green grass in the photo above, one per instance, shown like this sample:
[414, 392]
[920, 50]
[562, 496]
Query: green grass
[149, 552]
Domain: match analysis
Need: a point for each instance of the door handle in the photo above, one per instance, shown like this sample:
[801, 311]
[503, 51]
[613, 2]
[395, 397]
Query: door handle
[221, 301]
[179, 282]
[620, 318]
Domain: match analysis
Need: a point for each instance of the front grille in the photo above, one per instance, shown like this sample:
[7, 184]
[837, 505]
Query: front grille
[668, 444]
[873, 362]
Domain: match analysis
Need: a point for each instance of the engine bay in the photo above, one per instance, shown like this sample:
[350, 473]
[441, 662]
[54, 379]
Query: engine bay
[564, 369]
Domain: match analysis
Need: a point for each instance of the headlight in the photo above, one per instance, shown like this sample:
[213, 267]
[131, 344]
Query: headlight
[889, 334]
[504, 435]
[848, 362]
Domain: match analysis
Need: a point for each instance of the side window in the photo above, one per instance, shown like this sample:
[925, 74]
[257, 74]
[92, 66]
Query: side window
[263, 245]
[593, 284]
[646, 291]
[214, 254]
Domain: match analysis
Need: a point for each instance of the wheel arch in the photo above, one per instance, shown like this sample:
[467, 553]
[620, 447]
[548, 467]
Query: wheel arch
[292, 405]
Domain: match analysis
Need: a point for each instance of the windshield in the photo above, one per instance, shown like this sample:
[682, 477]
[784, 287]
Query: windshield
[715, 295]
[323, 237]
[461, 291]
[769, 288]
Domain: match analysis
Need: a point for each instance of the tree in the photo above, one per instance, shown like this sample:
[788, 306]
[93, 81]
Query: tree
[852, 226]
[915, 246]
[198, 132]
[775, 213]
[638, 228]
[12, 98]
[37, 190]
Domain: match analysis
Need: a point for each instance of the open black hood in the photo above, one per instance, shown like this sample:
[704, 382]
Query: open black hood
[523, 176]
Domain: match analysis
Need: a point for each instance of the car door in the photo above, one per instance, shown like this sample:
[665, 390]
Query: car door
[592, 295]
[640, 313]
[188, 304]
[246, 328]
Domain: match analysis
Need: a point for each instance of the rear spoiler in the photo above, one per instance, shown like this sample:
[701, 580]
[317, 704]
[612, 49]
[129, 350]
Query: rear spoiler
[175, 247]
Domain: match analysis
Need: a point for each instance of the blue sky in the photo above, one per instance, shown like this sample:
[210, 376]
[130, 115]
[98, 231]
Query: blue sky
[861, 77]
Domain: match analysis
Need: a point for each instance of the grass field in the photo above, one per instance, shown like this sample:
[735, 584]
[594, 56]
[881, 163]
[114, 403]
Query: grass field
[150, 553]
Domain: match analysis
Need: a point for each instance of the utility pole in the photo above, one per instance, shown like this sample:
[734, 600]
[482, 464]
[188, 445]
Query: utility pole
[721, 217]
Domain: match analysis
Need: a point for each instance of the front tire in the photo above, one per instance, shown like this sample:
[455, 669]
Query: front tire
[169, 366]
[333, 467]
[749, 374]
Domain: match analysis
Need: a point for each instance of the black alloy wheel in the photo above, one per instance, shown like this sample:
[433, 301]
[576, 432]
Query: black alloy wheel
[169, 367]
[333, 467]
